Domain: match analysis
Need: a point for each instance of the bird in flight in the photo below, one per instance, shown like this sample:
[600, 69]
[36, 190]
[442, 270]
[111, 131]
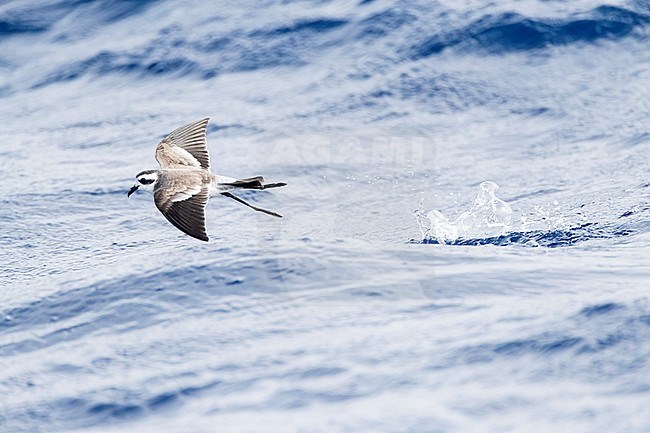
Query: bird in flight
[184, 183]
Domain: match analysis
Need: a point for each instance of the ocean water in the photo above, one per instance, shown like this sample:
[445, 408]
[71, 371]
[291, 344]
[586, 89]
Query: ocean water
[340, 317]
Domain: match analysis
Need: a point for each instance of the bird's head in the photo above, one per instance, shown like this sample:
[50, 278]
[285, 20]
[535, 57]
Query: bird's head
[146, 180]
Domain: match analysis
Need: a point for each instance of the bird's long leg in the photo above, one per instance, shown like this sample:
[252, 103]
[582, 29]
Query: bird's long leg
[259, 209]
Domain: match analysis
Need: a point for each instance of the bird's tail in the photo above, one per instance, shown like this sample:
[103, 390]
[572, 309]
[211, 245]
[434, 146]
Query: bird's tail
[256, 182]
[273, 185]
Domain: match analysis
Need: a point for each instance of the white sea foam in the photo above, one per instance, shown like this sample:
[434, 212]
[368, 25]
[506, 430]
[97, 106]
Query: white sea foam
[489, 216]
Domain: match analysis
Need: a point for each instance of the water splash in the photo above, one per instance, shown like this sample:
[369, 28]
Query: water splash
[489, 216]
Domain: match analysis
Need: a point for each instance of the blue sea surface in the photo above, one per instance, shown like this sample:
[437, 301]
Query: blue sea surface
[338, 317]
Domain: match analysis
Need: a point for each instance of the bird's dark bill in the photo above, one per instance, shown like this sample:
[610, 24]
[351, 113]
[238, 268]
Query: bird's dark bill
[133, 189]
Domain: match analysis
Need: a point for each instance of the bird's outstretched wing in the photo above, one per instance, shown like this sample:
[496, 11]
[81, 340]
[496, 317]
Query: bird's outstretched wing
[183, 204]
[185, 147]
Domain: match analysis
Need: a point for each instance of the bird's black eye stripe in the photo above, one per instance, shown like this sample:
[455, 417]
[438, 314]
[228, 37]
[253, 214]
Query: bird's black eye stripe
[146, 181]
